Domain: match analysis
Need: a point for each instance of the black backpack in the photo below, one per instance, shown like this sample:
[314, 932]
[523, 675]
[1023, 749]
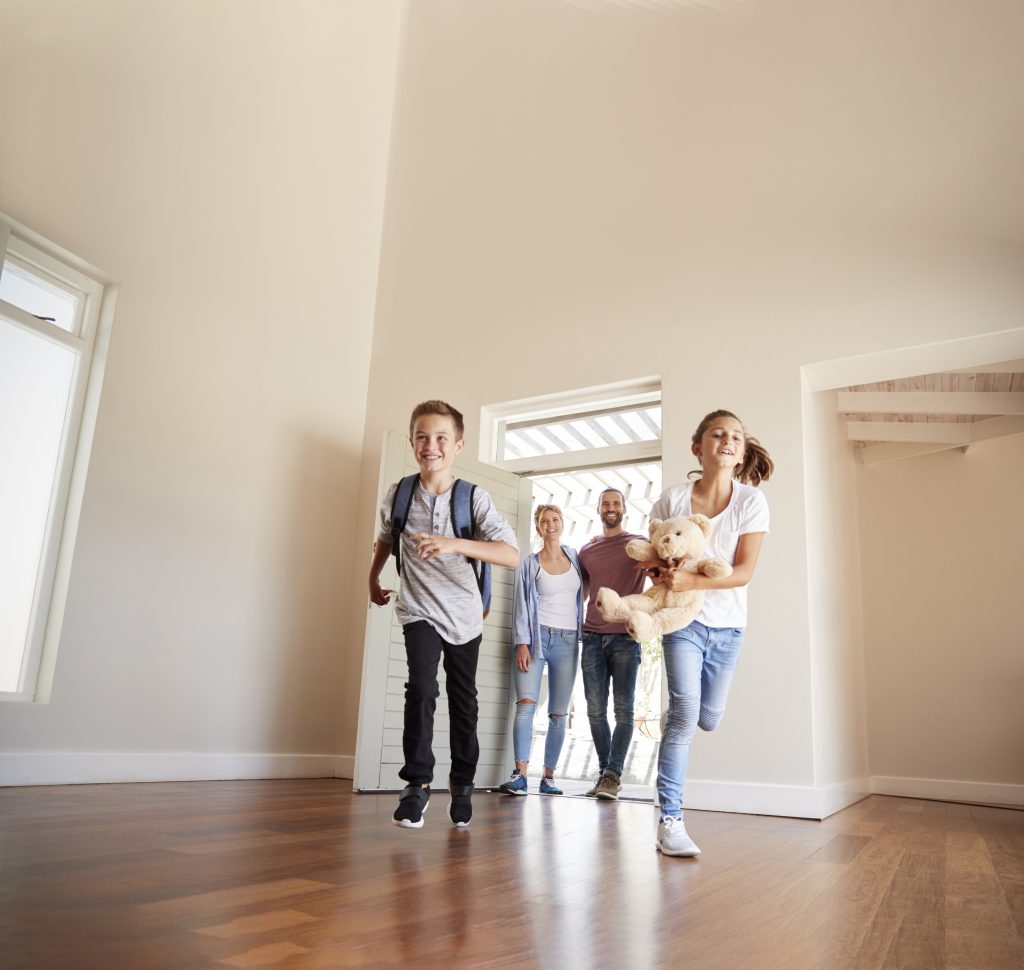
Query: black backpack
[463, 523]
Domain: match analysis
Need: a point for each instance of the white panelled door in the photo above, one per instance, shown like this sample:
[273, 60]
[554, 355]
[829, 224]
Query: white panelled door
[382, 698]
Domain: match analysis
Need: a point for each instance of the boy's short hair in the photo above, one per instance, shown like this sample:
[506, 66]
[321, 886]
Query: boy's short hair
[441, 408]
[438, 407]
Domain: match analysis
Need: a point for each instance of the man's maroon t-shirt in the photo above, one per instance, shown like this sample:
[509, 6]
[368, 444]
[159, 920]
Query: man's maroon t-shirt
[605, 563]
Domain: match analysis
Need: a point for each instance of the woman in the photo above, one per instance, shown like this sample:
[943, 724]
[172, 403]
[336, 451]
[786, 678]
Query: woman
[699, 660]
[547, 625]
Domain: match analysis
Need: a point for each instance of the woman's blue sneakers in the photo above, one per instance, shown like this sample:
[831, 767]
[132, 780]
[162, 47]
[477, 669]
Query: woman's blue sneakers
[516, 785]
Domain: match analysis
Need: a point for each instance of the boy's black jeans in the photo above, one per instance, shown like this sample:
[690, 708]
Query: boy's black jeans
[424, 647]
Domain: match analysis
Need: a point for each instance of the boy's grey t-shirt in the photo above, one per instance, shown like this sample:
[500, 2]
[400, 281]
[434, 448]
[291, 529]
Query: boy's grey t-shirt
[443, 590]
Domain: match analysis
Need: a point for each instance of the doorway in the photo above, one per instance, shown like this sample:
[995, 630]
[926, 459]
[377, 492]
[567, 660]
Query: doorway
[569, 447]
[576, 492]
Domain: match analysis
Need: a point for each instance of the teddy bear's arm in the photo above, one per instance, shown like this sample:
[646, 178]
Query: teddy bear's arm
[714, 568]
[641, 551]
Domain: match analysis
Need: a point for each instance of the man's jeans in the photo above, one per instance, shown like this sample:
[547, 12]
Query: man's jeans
[699, 663]
[559, 649]
[614, 658]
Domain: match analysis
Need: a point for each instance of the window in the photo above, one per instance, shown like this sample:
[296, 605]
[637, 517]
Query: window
[53, 310]
[574, 445]
[611, 425]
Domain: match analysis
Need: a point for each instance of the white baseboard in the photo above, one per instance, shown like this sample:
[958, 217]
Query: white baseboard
[793, 801]
[87, 768]
[976, 792]
[345, 766]
[799, 801]
[834, 798]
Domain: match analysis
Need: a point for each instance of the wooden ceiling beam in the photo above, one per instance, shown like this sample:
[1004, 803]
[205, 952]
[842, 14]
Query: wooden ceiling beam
[938, 433]
[930, 402]
[895, 450]
[995, 428]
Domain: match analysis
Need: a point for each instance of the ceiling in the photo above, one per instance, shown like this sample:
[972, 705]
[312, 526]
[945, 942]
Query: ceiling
[911, 416]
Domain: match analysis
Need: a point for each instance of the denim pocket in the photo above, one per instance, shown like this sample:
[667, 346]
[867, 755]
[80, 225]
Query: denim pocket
[569, 636]
[728, 644]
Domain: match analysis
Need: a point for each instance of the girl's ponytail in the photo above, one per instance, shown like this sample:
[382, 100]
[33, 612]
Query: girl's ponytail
[757, 464]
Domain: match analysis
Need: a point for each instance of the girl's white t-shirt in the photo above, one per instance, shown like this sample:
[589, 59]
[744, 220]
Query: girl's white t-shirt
[747, 511]
[556, 600]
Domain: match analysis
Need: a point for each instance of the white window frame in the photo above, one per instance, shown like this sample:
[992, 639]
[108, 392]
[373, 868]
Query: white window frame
[88, 340]
[495, 418]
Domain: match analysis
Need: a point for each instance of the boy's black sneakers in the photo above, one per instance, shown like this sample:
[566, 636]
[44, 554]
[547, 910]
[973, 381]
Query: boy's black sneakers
[412, 803]
[460, 810]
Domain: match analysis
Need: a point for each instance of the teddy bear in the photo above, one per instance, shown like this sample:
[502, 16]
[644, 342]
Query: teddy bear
[657, 610]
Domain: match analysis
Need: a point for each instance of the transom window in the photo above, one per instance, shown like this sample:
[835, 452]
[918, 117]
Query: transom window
[39, 294]
[584, 431]
[575, 445]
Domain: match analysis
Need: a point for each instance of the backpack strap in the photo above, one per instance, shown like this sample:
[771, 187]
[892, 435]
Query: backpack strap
[464, 526]
[400, 505]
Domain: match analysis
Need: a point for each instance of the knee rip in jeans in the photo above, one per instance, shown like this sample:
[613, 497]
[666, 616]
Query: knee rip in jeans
[551, 716]
[708, 719]
[526, 700]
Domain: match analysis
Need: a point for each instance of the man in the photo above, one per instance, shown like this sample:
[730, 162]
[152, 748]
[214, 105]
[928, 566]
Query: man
[610, 655]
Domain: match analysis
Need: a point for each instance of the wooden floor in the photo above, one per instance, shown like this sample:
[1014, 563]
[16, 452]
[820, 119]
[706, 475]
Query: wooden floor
[302, 874]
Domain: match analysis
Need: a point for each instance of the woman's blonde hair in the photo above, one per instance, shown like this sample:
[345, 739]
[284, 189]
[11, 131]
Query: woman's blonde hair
[541, 509]
[757, 465]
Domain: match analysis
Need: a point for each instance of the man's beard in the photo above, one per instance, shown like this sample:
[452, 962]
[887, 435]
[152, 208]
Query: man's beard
[616, 519]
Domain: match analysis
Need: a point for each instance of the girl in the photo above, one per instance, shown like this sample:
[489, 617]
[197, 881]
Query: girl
[547, 626]
[700, 659]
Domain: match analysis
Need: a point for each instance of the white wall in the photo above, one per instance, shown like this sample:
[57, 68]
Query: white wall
[834, 600]
[584, 193]
[225, 162]
[577, 193]
[943, 614]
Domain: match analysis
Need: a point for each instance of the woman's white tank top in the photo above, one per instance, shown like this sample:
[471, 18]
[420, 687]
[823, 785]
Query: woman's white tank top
[556, 598]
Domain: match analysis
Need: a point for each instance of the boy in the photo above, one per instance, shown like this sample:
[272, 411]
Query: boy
[440, 609]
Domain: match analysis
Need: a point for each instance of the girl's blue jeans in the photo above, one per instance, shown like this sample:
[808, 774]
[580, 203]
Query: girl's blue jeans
[559, 650]
[699, 662]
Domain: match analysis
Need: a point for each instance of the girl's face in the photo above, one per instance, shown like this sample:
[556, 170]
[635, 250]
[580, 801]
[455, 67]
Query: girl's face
[722, 445]
[549, 525]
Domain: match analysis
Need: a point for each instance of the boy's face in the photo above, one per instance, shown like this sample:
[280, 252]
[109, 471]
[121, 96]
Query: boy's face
[433, 442]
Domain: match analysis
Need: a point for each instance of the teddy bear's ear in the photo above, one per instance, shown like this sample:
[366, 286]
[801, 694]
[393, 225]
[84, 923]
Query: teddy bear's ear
[653, 527]
[703, 523]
